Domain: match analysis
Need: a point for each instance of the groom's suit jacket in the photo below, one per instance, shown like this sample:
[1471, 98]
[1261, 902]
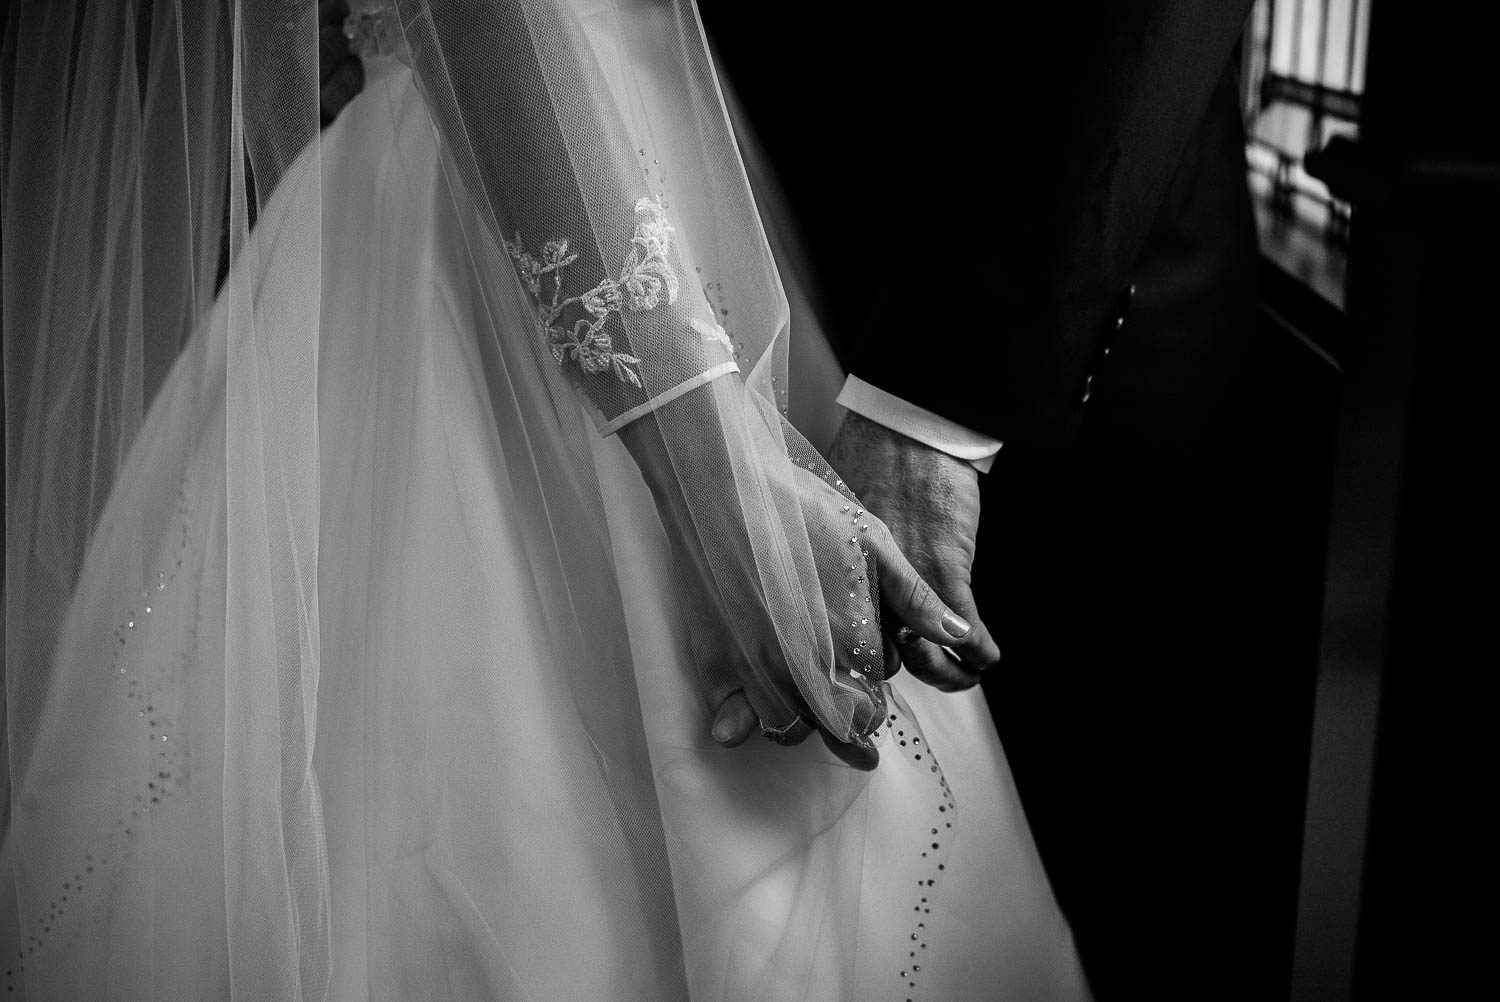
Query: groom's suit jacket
[1033, 220]
[980, 190]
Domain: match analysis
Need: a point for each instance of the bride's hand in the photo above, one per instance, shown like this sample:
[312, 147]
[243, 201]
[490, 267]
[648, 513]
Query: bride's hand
[905, 595]
[725, 672]
[740, 616]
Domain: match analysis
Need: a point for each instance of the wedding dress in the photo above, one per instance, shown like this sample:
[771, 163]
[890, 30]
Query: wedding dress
[407, 708]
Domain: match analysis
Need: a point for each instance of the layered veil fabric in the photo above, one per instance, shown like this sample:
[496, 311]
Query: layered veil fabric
[347, 654]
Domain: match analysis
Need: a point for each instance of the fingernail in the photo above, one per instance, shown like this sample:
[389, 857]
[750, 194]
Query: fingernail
[723, 730]
[955, 626]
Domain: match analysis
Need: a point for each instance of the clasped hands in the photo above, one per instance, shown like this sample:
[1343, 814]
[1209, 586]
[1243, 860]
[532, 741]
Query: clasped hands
[922, 512]
[929, 502]
[922, 516]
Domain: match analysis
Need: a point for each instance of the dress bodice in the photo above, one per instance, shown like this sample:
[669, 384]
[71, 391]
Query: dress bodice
[373, 29]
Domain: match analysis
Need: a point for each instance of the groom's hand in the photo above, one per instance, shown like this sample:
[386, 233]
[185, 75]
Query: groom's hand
[930, 502]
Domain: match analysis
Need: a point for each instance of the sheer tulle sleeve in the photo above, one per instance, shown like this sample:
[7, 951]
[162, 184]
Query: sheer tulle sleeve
[201, 476]
[603, 181]
[576, 193]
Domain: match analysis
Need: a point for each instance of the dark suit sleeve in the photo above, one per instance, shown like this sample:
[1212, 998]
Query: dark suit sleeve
[974, 195]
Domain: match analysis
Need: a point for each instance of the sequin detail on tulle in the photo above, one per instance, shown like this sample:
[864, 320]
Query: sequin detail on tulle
[859, 663]
[647, 279]
[151, 692]
[934, 848]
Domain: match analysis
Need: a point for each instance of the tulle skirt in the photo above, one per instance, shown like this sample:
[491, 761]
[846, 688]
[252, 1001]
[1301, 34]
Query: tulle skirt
[509, 791]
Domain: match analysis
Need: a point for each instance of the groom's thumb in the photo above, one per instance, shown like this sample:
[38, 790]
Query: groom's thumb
[917, 605]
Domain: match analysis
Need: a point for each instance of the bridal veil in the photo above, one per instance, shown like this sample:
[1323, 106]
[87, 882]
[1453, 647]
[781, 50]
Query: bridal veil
[162, 171]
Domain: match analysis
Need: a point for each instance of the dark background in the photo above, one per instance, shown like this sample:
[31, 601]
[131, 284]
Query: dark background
[1328, 532]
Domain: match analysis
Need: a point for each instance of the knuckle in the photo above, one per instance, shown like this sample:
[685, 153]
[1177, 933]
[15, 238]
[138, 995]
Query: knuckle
[919, 595]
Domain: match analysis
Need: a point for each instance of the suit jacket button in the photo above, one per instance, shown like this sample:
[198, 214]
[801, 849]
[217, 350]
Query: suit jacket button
[1122, 305]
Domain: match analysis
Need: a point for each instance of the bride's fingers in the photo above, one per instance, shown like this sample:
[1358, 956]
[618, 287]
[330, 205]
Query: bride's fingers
[860, 757]
[735, 720]
[738, 698]
[794, 733]
[743, 702]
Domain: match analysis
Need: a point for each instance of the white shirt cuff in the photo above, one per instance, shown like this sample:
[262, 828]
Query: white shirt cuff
[916, 423]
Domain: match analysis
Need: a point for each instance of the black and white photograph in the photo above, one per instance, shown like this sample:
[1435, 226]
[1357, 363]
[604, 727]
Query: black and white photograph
[720, 501]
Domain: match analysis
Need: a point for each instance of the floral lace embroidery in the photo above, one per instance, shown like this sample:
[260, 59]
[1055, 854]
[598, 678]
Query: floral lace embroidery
[646, 278]
[712, 333]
